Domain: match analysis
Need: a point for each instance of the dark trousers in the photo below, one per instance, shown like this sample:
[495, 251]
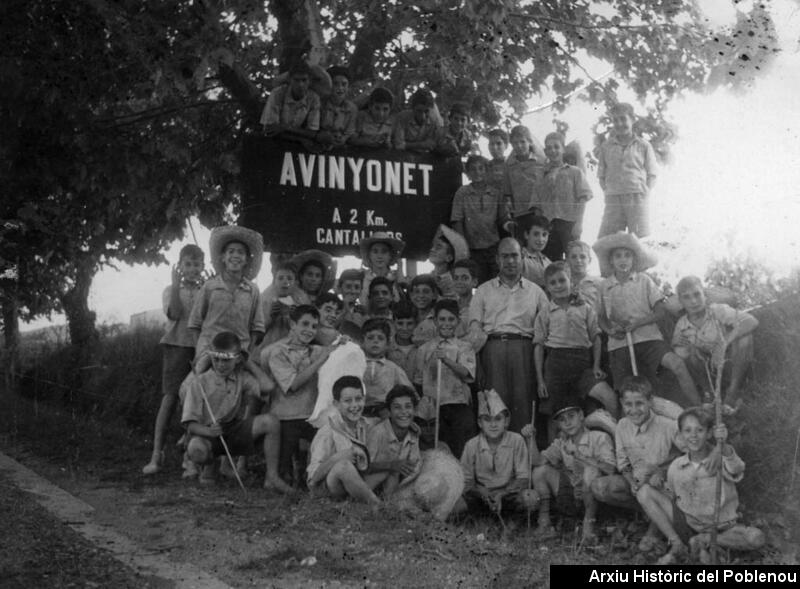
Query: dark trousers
[292, 432]
[560, 236]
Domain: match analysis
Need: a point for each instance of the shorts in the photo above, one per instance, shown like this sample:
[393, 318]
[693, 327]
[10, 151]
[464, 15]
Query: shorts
[567, 375]
[176, 363]
[509, 504]
[568, 499]
[648, 358]
[625, 212]
[238, 436]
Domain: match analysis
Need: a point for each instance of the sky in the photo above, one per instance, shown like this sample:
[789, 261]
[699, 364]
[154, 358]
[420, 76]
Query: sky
[733, 185]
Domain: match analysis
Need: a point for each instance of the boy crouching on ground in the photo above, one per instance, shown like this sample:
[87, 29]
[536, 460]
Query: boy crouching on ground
[566, 469]
[393, 443]
[687, 515]
[645, 444]
[495, 462]
[219, 403]
[338, 453]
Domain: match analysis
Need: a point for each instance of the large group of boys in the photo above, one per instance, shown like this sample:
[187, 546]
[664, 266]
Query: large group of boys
[506, 347]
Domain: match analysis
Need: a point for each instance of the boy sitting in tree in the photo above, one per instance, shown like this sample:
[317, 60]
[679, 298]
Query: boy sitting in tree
[702, 333]
[220, 403]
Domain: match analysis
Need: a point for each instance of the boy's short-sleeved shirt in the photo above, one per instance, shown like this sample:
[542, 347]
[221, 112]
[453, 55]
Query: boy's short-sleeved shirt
[227, 396]
[498, 308]
[329, 440]
[533, 265]
[379, 378]
[481, 211]
[453, 389]
[573, 326]
[219, 308]
[589, 290]
[562, 193]
[177, 333]
[384, 446]
[404, 357]
[521, 179]
[285, 361]
[338, 118]
[623, 168]
[705, 338]
[498, 468]
[407, 130]
[367, 127]
[694, 489]
[496, 174]
[645, 447]
[282, 109]
[592, 444]
[629, 300]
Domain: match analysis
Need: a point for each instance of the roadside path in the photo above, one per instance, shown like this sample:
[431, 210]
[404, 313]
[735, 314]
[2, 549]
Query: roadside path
[50, 539]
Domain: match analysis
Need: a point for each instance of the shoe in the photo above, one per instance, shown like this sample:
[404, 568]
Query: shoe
[677, 554]
[208, 476]
[189, 468]
[154, 465]
[546, 533]
[648, 543]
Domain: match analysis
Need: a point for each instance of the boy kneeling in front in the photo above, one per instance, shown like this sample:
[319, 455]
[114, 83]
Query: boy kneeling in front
[220, 404]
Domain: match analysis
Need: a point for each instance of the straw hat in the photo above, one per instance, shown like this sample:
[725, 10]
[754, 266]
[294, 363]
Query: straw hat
[456, 241]
[321, 258]
[223, 235]
[436, 488]
[490, 403]
[395, 245]
[605, 245]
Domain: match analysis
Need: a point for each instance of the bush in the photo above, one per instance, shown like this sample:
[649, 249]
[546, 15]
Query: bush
[750, 278]
[124, 380]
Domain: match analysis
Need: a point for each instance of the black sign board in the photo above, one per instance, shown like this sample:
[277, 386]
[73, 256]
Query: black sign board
[332, 200]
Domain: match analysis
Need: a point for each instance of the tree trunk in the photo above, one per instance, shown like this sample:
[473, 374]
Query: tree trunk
[80, 319]
[11, 342]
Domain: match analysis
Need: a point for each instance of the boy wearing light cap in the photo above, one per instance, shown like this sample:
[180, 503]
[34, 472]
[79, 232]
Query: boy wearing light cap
[495, 462]
[566, 469]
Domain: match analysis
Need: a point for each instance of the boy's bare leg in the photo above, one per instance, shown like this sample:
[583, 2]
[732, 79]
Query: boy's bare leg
[545, 482]
[671, 361]
[344, 480]
[741, 355]
[374, 479]
[614, 490]
[589, 504]
[658, 508]
[162, 420]
[268, 426]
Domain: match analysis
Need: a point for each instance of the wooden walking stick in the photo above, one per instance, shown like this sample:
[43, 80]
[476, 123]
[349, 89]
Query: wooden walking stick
[629, 339]
[531, 442]
[438, 400]
[221, 437]
[719, 361]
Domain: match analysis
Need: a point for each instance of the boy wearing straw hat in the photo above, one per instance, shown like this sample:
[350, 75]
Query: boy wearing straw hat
[379, 253]
[495, 462]
[566, 469]
[219, 410]
[448, 247]
[630, 307]
[445, 367]
[316, 273]
[230, 301]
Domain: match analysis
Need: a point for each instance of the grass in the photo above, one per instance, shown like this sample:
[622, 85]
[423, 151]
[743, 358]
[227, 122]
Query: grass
[99, 436]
